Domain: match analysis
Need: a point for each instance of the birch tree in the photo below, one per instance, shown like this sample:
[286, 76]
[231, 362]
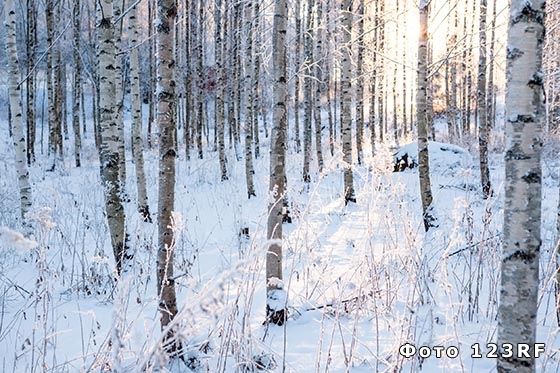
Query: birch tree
[220, 91]
[249, 169]
[360, 115]
[165, 119]
[525, 112]
[307, 91]
[297, 80]
[136, 101]
[17, 115]
[77, 88]
[319, 84]
[110, 139]
[275, 292]
[346, 117]
[481, 105]
[55, 130]
[421, 117]
[31, 44]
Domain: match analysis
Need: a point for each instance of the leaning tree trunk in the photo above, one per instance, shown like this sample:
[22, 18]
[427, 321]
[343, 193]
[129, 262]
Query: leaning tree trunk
[525, 112]
[275, 292]
[481, 106]
[421, 117]
[165, 119]
[346, 117]
[17, 116]
[109, 157]
[138, 146]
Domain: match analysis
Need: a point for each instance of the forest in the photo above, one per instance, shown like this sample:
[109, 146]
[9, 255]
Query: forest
[280, 186]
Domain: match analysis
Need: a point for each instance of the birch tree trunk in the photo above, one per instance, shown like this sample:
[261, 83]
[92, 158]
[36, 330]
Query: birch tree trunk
[136, 101]
[77, 88]
[451, 77]
[256, 72]
[151, 85]
[360, 116]
[380, 74]
[275, 292]
[395, 74]
[31, 42]
[525, 112]
[373, 81]
[17, 115]
[481, 106]
[109, 157]
[307, 92]
[54, 119]
[405, 71]
[421, 117]
[319, 84]
[165, 118]
[200, 72]
[220, 91]
[346, 116]
[119, 96]
[297, 82]
[490, 109]
[233, 44]
[249, 169]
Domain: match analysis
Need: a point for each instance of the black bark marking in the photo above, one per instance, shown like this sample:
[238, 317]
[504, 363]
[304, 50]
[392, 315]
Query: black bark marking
[529, 14]
[514, 53]
[523, 255]
[532, 177]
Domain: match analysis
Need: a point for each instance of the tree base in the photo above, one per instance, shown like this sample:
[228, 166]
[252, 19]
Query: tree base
[277, 317]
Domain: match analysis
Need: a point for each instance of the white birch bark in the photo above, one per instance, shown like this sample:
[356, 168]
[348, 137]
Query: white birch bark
[109, 155]
[481, 106]
[17, 115]
[165, 118]
[525, 112]
[421, 117]
[31, 41]
[346, 118]
[256, 72]
[220, 89]
[297, 79]
[136, 101]
[119, 95]
[248, 31]
[319, 84]
[490, 108]
[373, 81]
[53, 120]
[360, 116]
[275, 301]
[77, 88]
[307, 92]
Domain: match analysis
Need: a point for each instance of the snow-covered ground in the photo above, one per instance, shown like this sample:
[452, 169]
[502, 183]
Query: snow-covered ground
[363, 280]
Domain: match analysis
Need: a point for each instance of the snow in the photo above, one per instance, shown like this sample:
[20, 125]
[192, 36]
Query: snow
[11, 238]
[360, 280]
